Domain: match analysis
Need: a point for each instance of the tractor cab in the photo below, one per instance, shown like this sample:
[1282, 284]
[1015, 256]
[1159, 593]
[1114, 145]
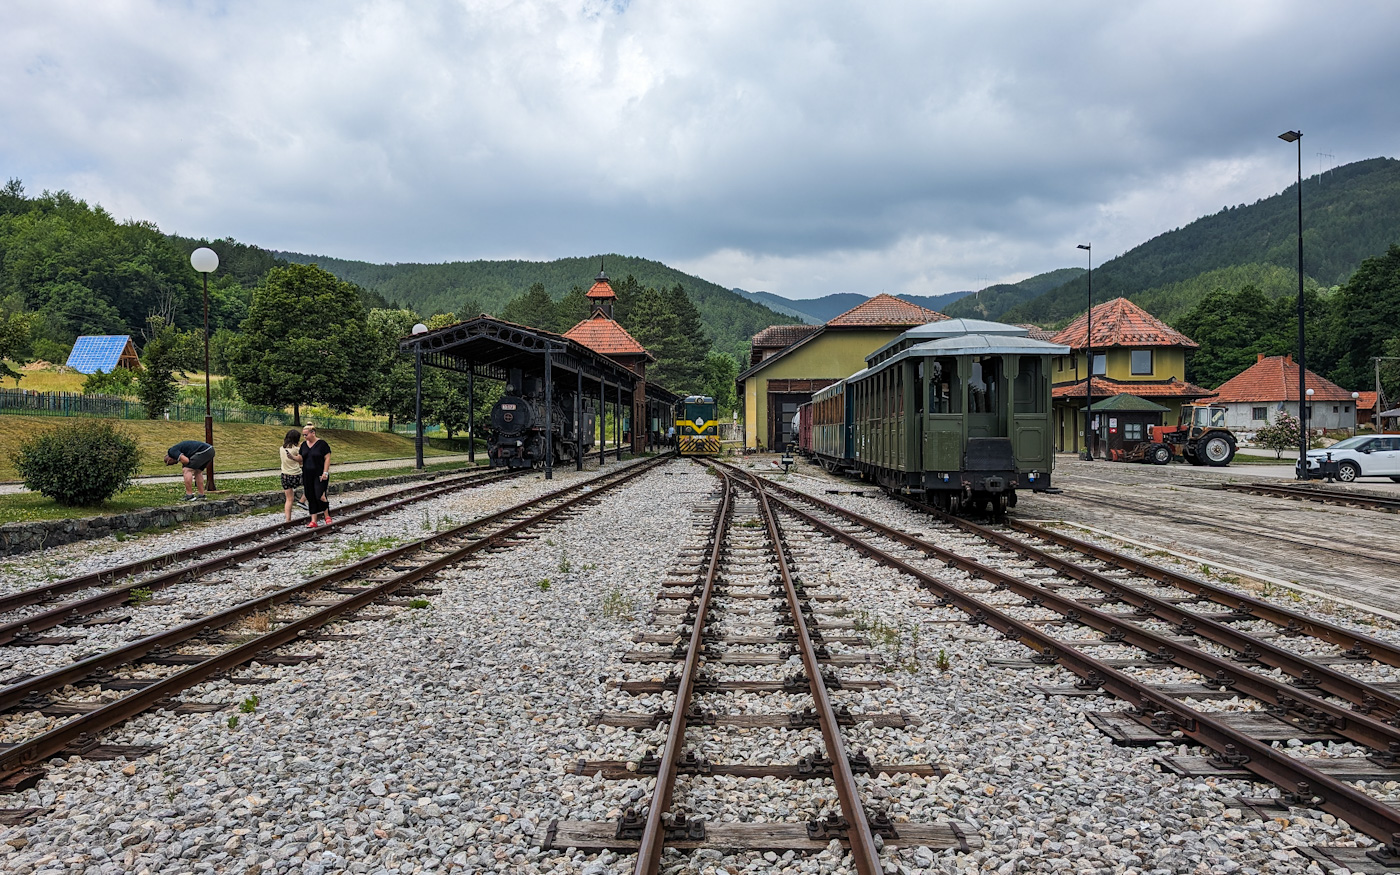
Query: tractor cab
[1197, 419]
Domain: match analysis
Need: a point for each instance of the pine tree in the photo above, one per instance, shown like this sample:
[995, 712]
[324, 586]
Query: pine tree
[570, 310]
[533, 309]
[691, 342]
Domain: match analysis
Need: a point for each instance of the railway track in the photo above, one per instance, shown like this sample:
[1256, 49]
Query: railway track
[1318, 493]
[1048, 603]
[739, 601]
[163, 665]
[160, 572]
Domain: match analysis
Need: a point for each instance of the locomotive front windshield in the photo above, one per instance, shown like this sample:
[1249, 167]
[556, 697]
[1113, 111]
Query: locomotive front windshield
[698, 418]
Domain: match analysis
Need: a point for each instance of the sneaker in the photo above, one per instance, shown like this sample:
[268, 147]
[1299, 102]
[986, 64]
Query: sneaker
[311, 525]
[189, 496]
[200, 498]
[301, 504]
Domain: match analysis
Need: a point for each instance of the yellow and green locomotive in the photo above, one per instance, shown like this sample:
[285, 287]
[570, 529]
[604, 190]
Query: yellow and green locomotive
[697, 426]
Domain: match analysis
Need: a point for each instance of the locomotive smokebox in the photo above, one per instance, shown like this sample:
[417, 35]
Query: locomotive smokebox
[512, 415]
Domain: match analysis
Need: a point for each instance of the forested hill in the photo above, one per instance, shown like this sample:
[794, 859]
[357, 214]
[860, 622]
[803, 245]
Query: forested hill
[993, 301]
[1350, 214]
[487, 286]
[815, 311]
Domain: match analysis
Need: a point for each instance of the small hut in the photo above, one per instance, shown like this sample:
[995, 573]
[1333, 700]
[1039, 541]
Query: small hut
[1121, 424]
[103, 352]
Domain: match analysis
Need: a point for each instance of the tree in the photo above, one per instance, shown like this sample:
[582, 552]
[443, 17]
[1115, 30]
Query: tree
[451, 410]
[690, 342]
[655, 327]
[14, 339]
[1279, 435]
[155, 385]
[391, 384]
[720, 372]
[1366, 316]
[470, 308]
[303, 342]
[570, 310]
[533, 309]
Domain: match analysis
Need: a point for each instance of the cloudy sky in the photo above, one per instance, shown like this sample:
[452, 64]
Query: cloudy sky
[802, 147]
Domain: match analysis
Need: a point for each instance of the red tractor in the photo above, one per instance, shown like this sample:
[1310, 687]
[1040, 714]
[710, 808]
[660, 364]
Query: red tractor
[1199, 437]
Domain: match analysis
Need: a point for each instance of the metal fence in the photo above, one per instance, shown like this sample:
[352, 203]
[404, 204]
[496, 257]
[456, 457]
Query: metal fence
[23, 401]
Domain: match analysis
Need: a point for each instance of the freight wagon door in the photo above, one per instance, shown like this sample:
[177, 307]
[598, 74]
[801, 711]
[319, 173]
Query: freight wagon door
[1031, 413]
[943, 424]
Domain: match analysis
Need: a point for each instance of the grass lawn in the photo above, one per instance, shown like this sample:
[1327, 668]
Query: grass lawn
[241, 446]
[30, 506]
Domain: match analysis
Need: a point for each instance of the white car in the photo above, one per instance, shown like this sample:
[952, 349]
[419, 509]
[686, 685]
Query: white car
[1362, 456]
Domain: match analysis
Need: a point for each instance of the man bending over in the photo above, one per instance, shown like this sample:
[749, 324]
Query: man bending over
[195, 456]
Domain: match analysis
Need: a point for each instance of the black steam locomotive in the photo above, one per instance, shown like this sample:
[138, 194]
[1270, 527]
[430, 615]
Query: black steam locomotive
[518, 428]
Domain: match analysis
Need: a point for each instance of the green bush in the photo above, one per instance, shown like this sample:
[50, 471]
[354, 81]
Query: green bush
[122, 381]
[83, 462]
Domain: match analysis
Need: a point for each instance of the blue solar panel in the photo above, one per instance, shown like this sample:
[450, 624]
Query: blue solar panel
[97, 353]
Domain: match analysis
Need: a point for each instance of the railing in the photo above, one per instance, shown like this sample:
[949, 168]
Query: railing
[23, 401]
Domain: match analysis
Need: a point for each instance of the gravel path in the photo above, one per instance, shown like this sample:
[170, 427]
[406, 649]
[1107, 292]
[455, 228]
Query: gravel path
[438, 740]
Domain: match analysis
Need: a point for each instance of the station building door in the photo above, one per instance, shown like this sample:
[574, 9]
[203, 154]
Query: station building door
[782, 407]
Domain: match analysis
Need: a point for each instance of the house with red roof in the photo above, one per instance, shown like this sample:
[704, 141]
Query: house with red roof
[1255, 396]
[606, 336]
[787, 363]
[1135, 353]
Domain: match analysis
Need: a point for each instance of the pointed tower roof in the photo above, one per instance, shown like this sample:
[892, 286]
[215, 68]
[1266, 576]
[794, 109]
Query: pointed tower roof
[885, 311]
[601, 289]
[1120, 322]
[602, 335]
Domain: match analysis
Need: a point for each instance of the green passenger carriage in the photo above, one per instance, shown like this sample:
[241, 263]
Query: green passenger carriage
[955, 411]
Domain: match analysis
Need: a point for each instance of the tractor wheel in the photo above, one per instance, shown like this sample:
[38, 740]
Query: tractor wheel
[1217, 450]
[1159, 454]
[1191, 456]
[1347, 472]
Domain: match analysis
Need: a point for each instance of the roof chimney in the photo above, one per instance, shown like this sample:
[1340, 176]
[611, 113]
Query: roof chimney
[1260, 359]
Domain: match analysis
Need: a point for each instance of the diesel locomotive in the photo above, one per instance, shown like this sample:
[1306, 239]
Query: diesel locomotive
[519, 428]
[955, 412]
[697, 426]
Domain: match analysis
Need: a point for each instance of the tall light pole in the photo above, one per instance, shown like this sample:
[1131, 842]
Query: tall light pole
[1355, 411]
[206, 261]
[419, 328]
[1089, 352]
[1302, 471]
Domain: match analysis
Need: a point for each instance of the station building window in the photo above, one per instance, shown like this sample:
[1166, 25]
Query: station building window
[1142, 362]
[1260, 414]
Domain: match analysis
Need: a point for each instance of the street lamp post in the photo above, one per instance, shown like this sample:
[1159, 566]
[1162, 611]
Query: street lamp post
[1089, 353]
[206, 261]
[1302, 472]
[419, 328]
[1355, 411]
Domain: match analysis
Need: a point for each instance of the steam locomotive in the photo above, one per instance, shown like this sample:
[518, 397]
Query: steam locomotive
[518, 428]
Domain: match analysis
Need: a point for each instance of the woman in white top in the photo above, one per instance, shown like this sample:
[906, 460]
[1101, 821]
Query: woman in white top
[291, 470]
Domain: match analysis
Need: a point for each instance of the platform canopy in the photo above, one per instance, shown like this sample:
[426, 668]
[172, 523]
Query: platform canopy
[491, 348]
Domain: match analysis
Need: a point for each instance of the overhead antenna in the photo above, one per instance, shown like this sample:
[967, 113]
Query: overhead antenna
[1331, 159]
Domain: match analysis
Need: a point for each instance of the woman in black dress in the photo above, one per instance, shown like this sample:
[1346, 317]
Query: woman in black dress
[315, 473]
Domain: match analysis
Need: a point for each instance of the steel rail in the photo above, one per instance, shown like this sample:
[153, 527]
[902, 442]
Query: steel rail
[1354, 724]
[87, 725]
[1311, 493]
[1186, 622]
[654, 834]
[864, 851]
[107, 576]
[1292, 622]
[66, 612]
[15, 694]
[1364, 813]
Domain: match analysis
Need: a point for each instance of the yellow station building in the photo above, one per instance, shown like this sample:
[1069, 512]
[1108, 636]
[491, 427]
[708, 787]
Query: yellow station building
[787, 363]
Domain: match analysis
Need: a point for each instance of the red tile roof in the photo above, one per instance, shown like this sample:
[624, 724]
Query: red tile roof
[601, 290]
[603, 335]
[885, 311]
[1037, 333]
[779, 336]
[1366, 401]
[1120, 322]
[1102, 387]
[1275, 378]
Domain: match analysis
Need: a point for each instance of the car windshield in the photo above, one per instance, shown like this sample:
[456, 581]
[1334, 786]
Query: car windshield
[1351, 443]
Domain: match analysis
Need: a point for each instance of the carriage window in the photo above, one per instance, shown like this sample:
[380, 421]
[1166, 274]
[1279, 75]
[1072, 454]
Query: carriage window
[944, 390]
[1030, 388]
[982, 383]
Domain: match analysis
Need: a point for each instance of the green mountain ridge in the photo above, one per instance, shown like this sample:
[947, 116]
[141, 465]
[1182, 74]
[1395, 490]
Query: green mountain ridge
[995, 300]
[488, 286]
[1350, 213]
